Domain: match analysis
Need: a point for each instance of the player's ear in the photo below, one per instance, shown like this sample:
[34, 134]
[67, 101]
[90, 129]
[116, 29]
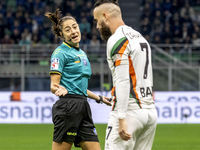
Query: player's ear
[105, 16]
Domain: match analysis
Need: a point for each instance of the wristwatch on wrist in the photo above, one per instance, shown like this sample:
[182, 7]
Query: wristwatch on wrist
[101, 99]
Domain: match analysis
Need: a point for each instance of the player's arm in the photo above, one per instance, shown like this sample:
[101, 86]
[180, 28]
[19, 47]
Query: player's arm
[120, 60]
[122, 94]
[98, 98]
[119, 56]
[122, 89]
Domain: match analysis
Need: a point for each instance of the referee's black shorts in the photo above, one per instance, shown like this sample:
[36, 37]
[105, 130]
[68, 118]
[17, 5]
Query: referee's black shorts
[72, 120]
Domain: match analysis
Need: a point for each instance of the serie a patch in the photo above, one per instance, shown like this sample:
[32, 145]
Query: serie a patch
[55, 63]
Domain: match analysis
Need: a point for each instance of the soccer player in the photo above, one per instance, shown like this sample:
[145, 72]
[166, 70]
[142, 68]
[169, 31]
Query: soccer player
[70, 72]
[133, 119]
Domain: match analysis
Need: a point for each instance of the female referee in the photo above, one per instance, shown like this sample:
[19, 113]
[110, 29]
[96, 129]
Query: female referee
[70, 72]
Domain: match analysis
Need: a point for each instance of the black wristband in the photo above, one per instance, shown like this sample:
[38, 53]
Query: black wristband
[101, 99]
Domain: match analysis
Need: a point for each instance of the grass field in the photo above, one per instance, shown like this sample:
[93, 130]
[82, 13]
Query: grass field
[39, 136]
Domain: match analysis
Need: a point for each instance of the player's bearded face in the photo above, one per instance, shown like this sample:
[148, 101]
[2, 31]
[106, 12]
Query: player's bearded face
[105, 31]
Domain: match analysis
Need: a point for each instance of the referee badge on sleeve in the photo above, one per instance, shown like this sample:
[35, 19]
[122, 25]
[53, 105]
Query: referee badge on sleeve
[54, 63]
[84, 61]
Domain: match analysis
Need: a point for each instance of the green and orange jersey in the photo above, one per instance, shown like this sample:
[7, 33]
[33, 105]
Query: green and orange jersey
[129, 59]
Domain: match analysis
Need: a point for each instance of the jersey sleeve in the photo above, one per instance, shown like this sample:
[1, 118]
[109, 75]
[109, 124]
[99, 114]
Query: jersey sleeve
[118, 53]
[120, 58]
[57, 62]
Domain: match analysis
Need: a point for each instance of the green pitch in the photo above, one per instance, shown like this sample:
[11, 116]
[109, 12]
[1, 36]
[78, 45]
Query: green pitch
[39, 136]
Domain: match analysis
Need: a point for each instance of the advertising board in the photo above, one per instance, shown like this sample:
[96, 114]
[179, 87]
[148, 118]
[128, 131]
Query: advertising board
[36, 107]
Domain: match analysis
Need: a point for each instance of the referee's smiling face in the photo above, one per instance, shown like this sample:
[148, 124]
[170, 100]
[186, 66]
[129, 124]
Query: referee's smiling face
[71, 32]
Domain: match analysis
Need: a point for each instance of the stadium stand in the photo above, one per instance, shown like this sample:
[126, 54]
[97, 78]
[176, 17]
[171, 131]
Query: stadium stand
[17, 16]
[26, 41]
[171, 21]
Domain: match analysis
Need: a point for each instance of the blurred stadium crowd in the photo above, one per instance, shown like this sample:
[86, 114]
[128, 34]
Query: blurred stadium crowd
[23, 21]
[171, 21]
[162, 21]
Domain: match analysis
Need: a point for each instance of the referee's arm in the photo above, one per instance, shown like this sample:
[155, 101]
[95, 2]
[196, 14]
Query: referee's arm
[92, 95]
[55, 80]
[57, 89]
[98, 98]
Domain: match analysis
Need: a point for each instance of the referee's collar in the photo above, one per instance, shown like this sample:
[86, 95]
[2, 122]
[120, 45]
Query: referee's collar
[70, 46]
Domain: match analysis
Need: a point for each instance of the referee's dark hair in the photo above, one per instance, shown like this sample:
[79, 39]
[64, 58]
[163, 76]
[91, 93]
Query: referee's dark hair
[57, 20]
[100, 2]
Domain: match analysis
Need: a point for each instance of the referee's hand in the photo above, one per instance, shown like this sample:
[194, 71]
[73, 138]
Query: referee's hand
[61, 91]
[106, 101]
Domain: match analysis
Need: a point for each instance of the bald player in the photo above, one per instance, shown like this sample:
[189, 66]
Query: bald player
[133, 119]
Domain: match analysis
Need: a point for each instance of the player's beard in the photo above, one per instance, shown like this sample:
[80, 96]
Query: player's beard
[105, 31]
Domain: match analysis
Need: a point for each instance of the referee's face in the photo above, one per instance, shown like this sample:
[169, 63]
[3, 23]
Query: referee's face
[71, 32]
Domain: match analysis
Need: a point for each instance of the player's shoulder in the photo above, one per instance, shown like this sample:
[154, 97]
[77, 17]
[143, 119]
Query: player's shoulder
[132, 34]
[118, 34]
[117, 39]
